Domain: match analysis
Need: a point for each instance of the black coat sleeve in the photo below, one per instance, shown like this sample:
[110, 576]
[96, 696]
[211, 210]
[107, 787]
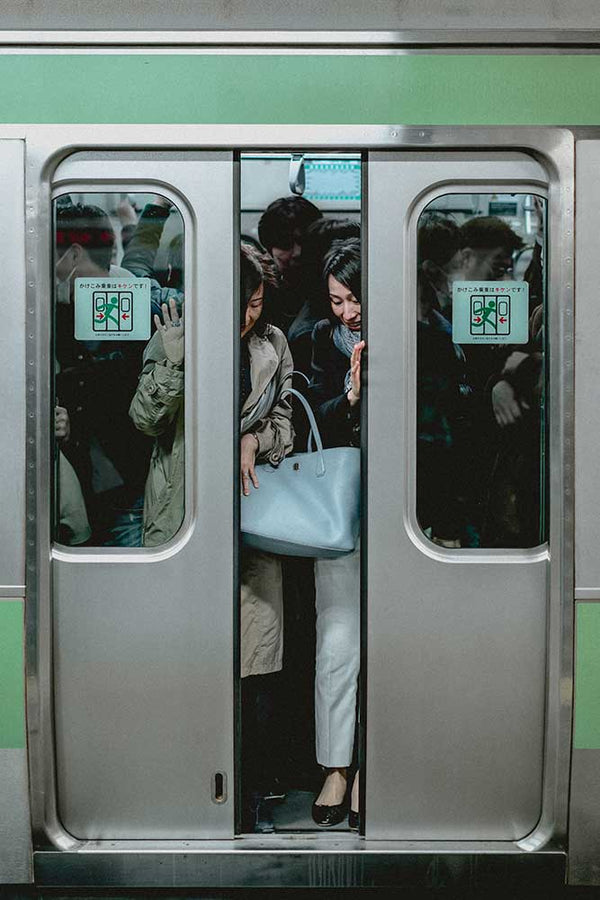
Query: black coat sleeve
[335, 417]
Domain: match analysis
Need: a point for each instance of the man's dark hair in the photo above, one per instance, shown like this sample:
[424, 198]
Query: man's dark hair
[487, 232]
[437, 240]
[88, 226]
[284, 219]
[343, 262]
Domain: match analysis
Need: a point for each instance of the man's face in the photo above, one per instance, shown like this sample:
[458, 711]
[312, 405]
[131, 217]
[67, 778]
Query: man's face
[486, 265]
[288, 258]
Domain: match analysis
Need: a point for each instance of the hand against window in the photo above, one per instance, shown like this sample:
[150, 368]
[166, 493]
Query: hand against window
[507, 409]
[354, 392]
[171, 329]
[62, 426]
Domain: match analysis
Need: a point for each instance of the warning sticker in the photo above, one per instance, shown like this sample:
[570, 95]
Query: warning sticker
[490, 312]
[112, 308]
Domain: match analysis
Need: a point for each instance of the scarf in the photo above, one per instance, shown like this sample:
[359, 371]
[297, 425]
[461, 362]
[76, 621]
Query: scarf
[345, 340]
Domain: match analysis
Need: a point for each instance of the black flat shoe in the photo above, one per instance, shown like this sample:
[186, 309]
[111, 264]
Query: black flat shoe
[326, 816]
[353, 820]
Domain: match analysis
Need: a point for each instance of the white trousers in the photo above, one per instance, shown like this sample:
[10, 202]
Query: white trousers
[337, 583]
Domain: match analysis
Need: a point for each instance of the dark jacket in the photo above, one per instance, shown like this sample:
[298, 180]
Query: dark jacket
[338, 422]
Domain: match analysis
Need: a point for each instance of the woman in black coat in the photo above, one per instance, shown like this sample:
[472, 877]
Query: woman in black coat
[335, 395]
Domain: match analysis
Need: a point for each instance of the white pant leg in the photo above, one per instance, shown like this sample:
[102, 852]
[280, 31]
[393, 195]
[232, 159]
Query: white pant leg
[337, 583]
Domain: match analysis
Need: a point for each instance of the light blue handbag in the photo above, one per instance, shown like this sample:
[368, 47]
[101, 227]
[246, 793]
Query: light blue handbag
[309, 505]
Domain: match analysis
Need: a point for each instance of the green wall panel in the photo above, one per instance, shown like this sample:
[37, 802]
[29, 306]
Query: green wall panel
[12, 685]
[587, 677]
[425, 89]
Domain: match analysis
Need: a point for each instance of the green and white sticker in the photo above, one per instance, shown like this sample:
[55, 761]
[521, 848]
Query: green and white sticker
[490, 312]
[112, 309]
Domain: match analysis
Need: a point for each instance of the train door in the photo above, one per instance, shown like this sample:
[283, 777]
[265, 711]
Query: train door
[457, 557]
[143, 635]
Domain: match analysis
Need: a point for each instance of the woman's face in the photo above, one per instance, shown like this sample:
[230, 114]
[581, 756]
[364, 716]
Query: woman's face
[344, 304]
[254, 308]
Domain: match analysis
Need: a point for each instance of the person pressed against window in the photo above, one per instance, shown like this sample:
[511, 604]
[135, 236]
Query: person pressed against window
[94, 384]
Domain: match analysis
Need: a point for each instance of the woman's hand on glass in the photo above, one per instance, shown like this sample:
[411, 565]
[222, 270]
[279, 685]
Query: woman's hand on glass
[354, 392]
[248, 451]
[507, 409]
[62, 426]
[171, 329]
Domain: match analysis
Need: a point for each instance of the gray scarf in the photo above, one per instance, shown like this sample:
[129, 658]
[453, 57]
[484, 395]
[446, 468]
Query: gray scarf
[345, 339]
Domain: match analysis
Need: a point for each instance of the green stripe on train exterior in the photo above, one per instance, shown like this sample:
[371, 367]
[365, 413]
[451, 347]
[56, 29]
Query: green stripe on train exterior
[587, 677]
[12, 682]
[413, 89]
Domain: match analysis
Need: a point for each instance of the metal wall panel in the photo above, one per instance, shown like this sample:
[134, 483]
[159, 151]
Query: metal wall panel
[587, 342]
[12, 353]
[143, 641]
[456, 642]
[15, 829]
[309, 14]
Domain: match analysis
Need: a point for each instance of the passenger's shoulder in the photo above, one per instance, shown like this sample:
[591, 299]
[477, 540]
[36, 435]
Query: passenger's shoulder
[322, 332]
[276, 336]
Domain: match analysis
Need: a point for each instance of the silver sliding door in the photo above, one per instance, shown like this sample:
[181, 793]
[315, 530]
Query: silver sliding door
[144, 636]
[457, 634]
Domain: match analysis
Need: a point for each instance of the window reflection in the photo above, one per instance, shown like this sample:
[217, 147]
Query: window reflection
[118, 257]
[480, 371]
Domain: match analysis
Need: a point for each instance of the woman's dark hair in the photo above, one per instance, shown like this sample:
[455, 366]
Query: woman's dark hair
[315, 245]
[252, 275]
[343, 262]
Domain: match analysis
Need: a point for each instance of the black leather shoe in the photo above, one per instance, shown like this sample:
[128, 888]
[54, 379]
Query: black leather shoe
[326, 816]
[353, 820]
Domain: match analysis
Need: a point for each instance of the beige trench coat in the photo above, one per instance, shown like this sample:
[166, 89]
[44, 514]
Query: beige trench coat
[157, 410]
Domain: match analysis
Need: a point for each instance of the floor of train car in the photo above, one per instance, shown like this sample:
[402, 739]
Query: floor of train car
[296, 769]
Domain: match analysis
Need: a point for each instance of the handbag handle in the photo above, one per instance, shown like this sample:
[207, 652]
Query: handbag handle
[301, 374]
[314, 428]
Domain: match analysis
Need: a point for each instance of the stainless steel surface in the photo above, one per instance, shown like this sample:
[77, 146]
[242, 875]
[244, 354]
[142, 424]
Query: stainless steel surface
[15, 835]
[310, 15]
[10, 591]
[433, 39]
[304, 863]
[46, 145]
[584, 828]
[587, 330]
[585, 593]
[465, 630]
[456, 735]
[12, 353]
[143, 640]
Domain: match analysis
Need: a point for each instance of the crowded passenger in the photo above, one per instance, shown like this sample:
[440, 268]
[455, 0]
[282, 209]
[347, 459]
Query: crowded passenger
[141, 251]
[95, 381]
[443, 395]
[281, 231]
[478, 454]
[316, 242]
[335, 393]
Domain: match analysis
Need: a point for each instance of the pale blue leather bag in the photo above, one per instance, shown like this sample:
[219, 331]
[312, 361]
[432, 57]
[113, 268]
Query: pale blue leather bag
[309, 505]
